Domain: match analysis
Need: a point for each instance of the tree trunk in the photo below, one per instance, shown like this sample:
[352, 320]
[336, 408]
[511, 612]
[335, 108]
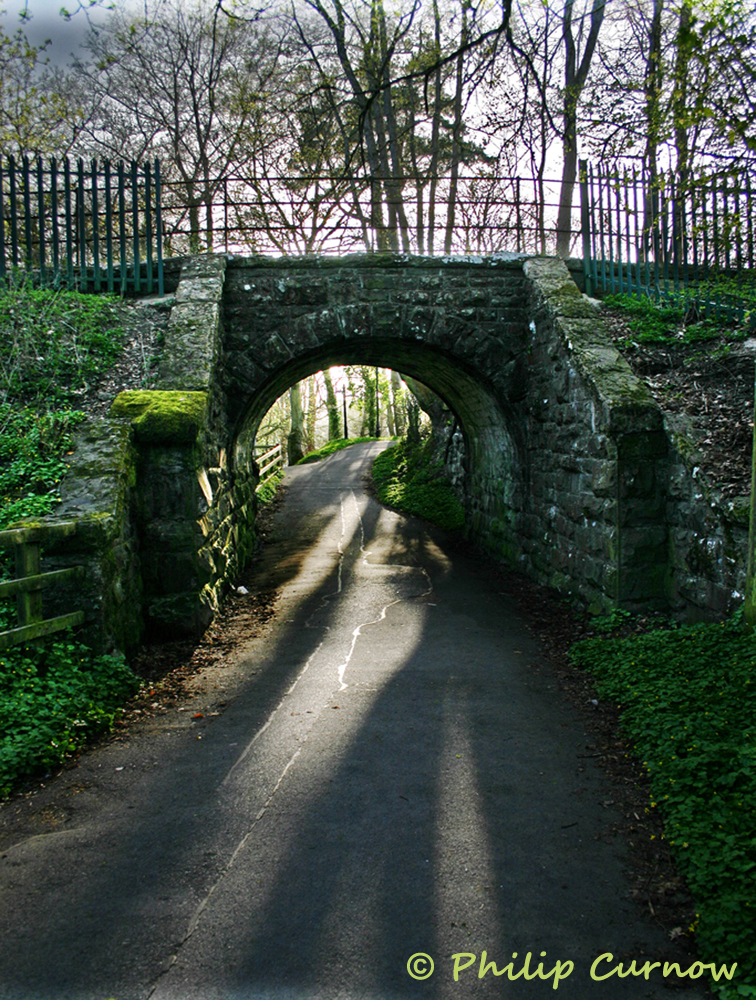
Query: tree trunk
[396, 402]
[312, 413]
[295, 439]
[575, 76]
[457, 126]
[334, 422]
[652, 85]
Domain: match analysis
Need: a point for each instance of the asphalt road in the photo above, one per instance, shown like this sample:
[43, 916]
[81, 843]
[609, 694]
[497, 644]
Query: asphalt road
[391, 771]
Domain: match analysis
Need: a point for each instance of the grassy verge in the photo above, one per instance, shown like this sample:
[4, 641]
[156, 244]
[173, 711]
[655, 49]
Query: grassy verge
[688, 701]
[405, 478]
[269, 488]
[331, 447]
[56, 696]
[673, 323]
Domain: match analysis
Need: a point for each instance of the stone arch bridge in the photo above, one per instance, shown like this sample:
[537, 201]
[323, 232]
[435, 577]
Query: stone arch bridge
[570, 474]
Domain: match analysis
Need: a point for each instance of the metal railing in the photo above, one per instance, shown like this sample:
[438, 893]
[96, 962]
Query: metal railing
[691, 242]
[94, 228]
[247, 214]
[30, 581]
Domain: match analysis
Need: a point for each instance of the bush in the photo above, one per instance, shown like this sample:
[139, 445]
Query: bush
[269, 488]
[688, 700]
[32, 449]
[405, 478]
[53, 702]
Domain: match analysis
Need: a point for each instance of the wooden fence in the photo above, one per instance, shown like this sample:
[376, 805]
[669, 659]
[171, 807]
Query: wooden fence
[31, 581]
[94, 228]
[268, 462]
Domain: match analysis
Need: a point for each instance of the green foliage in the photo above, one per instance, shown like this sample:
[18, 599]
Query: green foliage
[330, 448]
[405, 478]
[269, 488]
[688, 700]
[32, 446]
[52, 703]
[678, 320]
[614, 620]
[53, 343]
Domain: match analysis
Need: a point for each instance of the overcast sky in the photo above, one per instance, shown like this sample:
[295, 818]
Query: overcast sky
[47, 22]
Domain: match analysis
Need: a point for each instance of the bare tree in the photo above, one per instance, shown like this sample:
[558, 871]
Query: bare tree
[576, 69]
[182, 84]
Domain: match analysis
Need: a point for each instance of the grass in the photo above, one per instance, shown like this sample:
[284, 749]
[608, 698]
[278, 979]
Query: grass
[405, 478]
[331, 447]
[688, 701]
[668, 322]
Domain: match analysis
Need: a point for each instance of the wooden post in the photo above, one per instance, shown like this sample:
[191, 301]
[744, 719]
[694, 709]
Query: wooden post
[29, 602]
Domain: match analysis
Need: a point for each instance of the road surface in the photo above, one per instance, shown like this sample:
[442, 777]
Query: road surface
[392, 779]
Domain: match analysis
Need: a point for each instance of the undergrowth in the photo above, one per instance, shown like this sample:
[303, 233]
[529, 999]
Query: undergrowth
[404, 477]
[56, 695]
[669, 322]
[53, 702]
[269, 488]
[32, 460]
[688, 701]
[331, 447]
[54, 343]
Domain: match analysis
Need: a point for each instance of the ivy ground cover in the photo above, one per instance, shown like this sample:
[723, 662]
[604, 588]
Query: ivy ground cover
[688, 701]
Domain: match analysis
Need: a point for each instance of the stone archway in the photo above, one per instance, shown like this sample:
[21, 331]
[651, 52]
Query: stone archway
[566, 451]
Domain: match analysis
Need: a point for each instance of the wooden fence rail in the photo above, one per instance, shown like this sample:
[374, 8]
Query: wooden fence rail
[30, 581]
[272, 459]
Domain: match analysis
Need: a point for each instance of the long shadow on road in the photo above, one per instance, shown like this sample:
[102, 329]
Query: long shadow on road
[398, 777]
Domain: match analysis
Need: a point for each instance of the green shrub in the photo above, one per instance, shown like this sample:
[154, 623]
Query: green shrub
[269, 488]
[32, 449]
[688, 701]
[676, 321]
[405, 478]
[54, 701]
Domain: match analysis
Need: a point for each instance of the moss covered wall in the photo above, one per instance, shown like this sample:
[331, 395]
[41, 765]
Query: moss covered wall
[99, 494]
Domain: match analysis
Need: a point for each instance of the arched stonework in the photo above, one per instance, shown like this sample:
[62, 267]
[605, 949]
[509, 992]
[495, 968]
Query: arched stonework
[565, 449]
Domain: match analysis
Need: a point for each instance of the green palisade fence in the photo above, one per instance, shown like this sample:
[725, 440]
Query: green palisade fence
[690, 241]
[84, 227]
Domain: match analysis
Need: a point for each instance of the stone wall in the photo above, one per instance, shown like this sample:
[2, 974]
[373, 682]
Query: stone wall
[708, 538]
[563, 459]
[587, 512]
[99, 495]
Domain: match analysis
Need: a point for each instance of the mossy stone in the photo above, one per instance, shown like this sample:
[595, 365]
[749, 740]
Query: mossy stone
[163, 417]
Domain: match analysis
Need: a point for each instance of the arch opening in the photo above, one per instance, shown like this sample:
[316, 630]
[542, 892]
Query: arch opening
[493, 445]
